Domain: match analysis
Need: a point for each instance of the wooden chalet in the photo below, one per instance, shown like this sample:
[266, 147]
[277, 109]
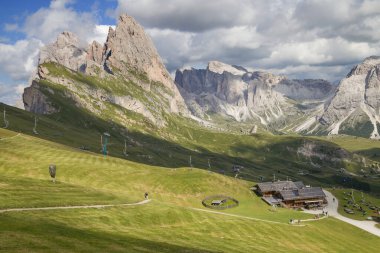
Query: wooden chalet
[291, 194]
[268, 189]
[304, 197]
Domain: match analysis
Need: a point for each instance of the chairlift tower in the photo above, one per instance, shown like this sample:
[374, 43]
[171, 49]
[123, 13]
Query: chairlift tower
[35, 125]
[190, 163]
[104, 139]
[6, 122]
[125, 148]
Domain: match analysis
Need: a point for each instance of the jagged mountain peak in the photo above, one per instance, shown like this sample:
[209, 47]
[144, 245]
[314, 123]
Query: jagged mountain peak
[220, 67]
[374, 60]
[66, 51]
[128, 46]
[67, 38]
[363, 67]
[233, 91]
[354, 109]
[125, 72]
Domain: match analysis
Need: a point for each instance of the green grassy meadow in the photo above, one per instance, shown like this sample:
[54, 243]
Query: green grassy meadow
[361, 199]
[262, 155]
[166, 224]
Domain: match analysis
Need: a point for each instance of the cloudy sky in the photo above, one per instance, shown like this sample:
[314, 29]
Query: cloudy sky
[299, 38]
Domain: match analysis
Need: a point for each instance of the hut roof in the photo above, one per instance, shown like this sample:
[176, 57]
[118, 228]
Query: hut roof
[279, 186]
[303, 193]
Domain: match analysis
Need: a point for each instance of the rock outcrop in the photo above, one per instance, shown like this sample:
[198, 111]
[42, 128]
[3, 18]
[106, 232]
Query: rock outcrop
[127, 74]
[37, 102]
[66, 52]
[129, 47]
[244, 95]
[356, 102]
[308, 89]
[127, 57]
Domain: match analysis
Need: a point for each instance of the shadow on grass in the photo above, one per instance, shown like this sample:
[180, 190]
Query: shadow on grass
[78, 128]
[373, 153]
[29, 192]
[43, 235]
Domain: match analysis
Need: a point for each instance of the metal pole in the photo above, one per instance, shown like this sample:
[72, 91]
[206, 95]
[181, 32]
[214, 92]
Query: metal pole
[6, 123]
[125, 147]
[35, 125]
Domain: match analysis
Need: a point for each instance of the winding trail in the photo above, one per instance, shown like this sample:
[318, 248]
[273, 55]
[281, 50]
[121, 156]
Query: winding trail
[70, 207]
[332, 209]
[10, 137]
[237, 216]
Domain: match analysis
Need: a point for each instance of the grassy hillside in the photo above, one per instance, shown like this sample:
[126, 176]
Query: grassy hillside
[167, 224]
[364, 205]
[262, 155]
[85, 112]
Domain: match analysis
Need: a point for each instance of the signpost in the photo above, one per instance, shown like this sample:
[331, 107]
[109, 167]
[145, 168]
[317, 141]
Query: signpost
[6, 122]
[35, 125]
[104, 139]
[52, 171]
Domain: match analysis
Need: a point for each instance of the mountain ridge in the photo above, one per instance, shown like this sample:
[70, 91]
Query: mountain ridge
[308, 107]
[126, 75]
[244, 95]
[125, 72]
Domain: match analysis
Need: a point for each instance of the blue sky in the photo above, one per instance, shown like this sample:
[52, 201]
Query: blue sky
[300, 39]
[15, 36]
[16, 11]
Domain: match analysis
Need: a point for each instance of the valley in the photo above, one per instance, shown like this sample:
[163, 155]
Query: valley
[119, 128]
[83, 178]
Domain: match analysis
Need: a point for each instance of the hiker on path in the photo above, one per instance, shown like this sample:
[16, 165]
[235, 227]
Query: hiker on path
[146, 195]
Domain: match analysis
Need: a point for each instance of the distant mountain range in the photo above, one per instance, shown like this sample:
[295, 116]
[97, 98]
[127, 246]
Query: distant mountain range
[312, 107]
[253, 97]
[125, 81]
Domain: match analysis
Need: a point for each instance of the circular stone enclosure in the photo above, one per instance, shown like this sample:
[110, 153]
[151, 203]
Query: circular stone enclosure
[220, 202]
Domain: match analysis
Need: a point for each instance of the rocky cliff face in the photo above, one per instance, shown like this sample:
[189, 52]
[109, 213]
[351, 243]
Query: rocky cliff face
[65, 51]
[356, 103]
[126, 76]
[125, 72]
[308, 89]
[37, 102]
[236, 92]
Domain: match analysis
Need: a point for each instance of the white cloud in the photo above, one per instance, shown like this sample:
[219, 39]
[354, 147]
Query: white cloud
[20, 59]
[193, 16]
[60, 4]
[302, 38]
[11, 27]
[46, 23]
[12, 94]
[301, 35]
[99, 33]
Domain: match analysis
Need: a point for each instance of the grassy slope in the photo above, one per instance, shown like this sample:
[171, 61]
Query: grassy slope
[261, 154]
[165, 225]
[355, 144]
[344, 195]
